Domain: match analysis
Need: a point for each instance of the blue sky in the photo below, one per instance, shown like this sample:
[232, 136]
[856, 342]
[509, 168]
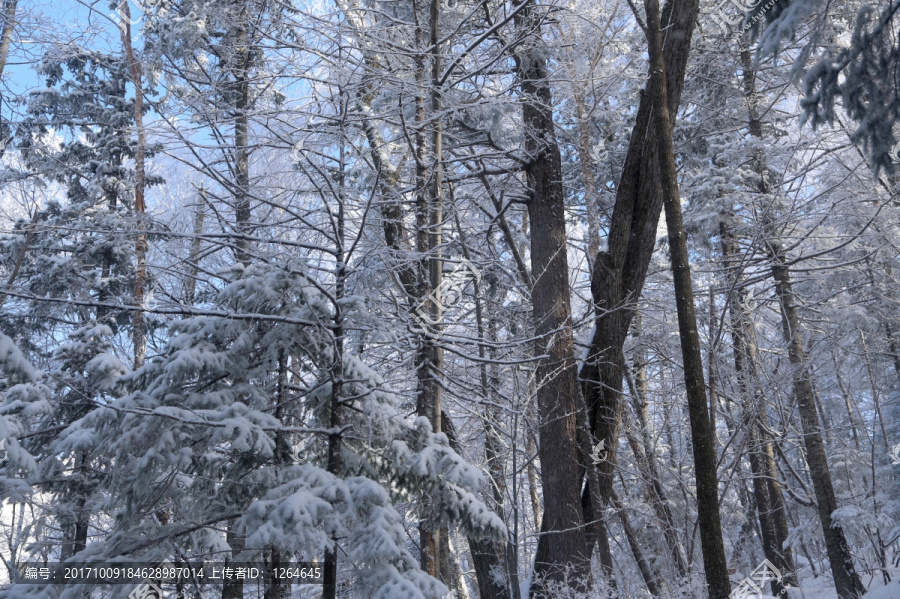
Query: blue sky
[44, 22]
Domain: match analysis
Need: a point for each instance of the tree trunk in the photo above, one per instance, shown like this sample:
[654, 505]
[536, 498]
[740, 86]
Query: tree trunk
[876, 396]
[429, 220]
[892, 346]
[643, 566]
[190, 282]
[593, 503]
[459, 581]
[418, 280]
[233, 588]
[766, 489]
[487, 555]
[846, 581]
[242, 140]
[587, 173]
[645, 453]
[335, 442]
[618, 273]
[562, 552]
[705, 462]
[278, 588]
[78, 534]
[9, 23]
[138, 335]
[490, 558]
[711, 368]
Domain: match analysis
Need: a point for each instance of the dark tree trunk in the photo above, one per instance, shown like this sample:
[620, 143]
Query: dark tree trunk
[429, 220]
[705, 470]
[634, 544]
[335, 442]
[233, 588]
[618, 274]
[562, 552]
[892, 345]
[766, 489]
[487, 555]
[276, 588]
[79, 530]
[846, 581]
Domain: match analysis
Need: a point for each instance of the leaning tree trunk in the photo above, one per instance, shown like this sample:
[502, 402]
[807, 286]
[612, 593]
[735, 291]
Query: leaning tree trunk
[562, 552]
[704, 448]
[496, 568]
[644, 451]
[618, 274]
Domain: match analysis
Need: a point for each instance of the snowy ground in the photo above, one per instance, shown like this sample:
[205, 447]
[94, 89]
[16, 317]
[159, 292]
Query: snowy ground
[891, 591]
[820, 588]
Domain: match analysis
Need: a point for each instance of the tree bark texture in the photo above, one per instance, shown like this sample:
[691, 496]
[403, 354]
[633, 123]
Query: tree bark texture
[561, 554]
[138, 335]
[241, 85]
[9, 23]
[618, 273]
[705, 463]
[233, 588]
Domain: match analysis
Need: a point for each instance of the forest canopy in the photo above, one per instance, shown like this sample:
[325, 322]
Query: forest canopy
[473, 299]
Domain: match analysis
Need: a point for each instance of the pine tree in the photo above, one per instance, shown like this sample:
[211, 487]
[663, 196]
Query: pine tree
[73, 271]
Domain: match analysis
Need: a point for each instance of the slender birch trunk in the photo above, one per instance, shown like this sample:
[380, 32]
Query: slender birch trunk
[241, 85]
[9, 24]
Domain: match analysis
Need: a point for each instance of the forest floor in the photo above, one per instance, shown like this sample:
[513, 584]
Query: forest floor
[820, 588]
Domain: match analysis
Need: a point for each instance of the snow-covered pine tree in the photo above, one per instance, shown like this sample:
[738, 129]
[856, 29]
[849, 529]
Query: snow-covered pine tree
[71, 275]
[196, 436]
